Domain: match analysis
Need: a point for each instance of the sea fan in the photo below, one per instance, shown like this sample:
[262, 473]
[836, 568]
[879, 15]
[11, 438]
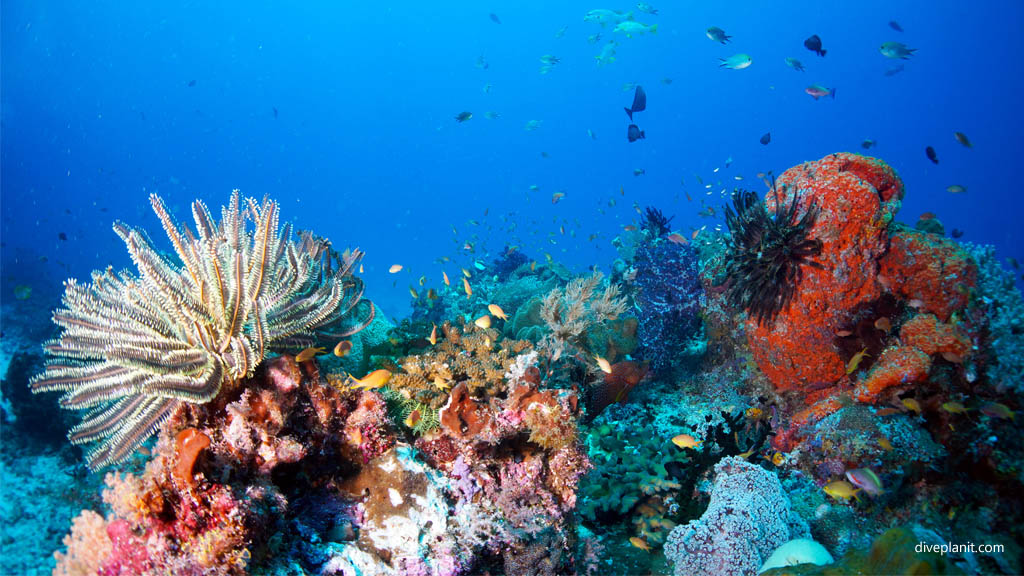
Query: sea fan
[133, 349]
[766, 254]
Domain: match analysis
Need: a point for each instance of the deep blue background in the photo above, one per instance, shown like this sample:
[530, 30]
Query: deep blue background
[97, 112]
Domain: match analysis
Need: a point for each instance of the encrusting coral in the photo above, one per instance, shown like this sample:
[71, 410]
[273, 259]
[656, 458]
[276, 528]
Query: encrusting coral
[134, 349]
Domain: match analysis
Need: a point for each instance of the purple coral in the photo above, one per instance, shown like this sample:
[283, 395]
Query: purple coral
[668, 293]
[749, 516]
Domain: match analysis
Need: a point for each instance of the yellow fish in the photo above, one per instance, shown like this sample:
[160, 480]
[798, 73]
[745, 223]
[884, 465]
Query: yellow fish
[855, 361]
[423, 280]
[954, 408]
[885, 444]
[413, 419]
[412, 292]
[640, 543]
[440, 383]
[433, 335]
[360, 267]
[373, 380]
[309, 354]
[445, 274]
[912, 405]
[466, 273]
[483, 322]
[603, 364]
[395, 268]
[469, 289]
[686, 441]
[841, 489]
[342, 348]
[496, 311]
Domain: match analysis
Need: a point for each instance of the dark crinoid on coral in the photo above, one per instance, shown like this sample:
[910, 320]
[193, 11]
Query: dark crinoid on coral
[766, 253]
[135, 348]
[655, 222]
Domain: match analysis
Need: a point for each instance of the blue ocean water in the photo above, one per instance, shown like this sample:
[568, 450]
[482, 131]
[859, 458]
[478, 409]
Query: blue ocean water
[353, 116]
[345, 114]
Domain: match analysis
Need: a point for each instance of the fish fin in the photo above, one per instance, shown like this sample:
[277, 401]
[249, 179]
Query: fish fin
[642, 135]
[823, 53]
[629, 113]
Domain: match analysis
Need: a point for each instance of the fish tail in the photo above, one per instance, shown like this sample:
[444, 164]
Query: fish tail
[822, 53]
[642, 135]
[833, 93]
[629, 113]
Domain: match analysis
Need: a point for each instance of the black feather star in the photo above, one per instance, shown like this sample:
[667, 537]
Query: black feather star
[766, 254]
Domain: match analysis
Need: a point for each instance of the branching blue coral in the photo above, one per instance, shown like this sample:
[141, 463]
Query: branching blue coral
[135, 348]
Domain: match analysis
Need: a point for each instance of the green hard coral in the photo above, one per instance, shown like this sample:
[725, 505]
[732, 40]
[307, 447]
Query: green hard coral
[133, 349]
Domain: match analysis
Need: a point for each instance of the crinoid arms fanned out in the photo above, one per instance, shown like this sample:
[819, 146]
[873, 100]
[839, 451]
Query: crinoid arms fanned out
[765, 254]
[134, 348]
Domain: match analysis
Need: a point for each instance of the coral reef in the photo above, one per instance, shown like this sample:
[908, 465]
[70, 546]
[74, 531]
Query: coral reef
[207, 501]
[749, 516]
[135, 349]
[668, 292]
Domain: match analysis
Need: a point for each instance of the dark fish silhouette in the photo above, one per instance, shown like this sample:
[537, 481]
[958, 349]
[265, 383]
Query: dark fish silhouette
[275, 111]
[766, 138]
[62, 236]
[191, 83]
[895, 26]
[930, 152]
[894, 70]
[957, 233]
[495, 19]
[639, 102]
[635, 133]
[814, 45]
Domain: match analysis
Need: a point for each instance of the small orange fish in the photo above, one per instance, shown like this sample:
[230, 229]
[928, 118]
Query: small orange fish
[603, 365]
[694, 235]
[483, 322]
[927, 216]
[360, 267]
[433, 335]
[431, 294]
[754, 413]
[883, 324]
[468, 288]
[844, 333]
[887, 412]
[342, 348]
[445, 276]
[677, 238]
[629, 228]
[395, 268]
[308, 354]
[373, 380]
[954, 358]
[413, 419]
[441, 383]
[779, 459]
[413, 293]
[356, 436]
[912, 405]
[496, 311]
[855, 361]
[556, 197]
[640, 543]
[686, 441]
[533, 266]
